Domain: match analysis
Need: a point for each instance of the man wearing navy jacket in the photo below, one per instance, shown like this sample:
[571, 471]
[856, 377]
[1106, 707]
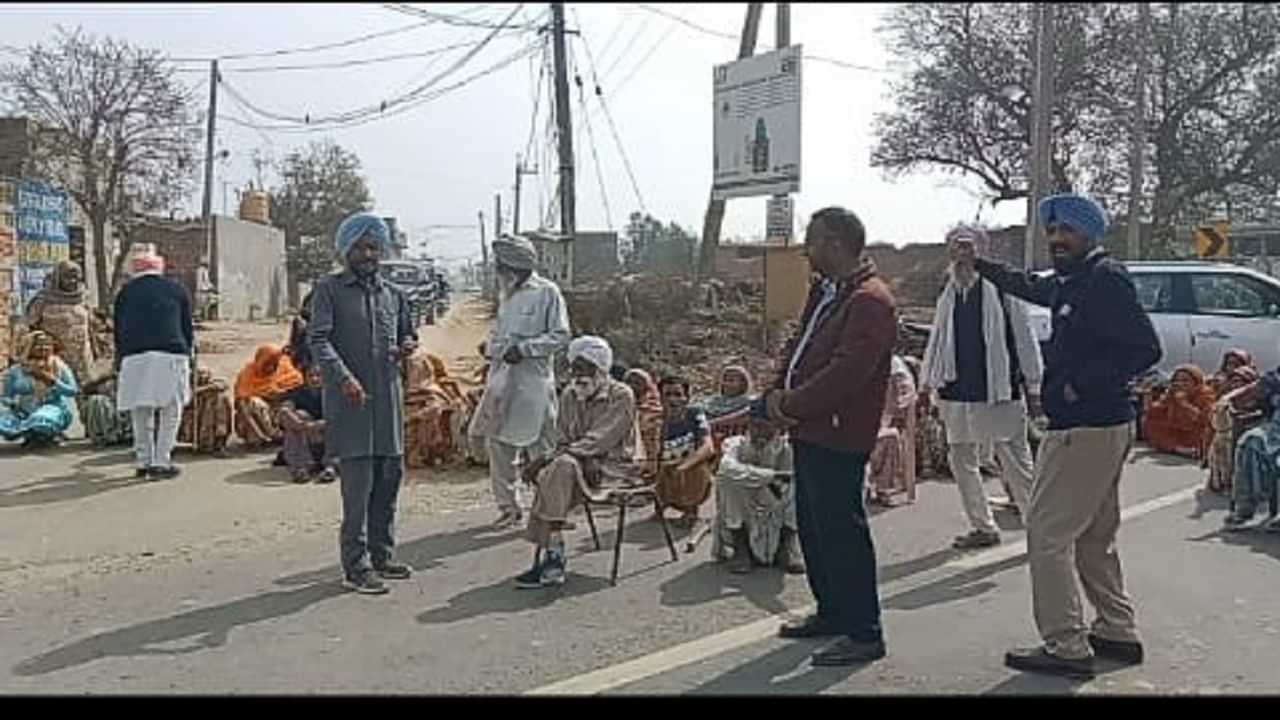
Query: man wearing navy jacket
[1101, 340]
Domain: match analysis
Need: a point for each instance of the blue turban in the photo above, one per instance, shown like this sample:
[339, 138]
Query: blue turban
[1081, 213]
[357, 226]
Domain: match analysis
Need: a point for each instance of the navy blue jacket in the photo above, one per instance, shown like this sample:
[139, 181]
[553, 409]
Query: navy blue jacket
[153, 314]
[1102, 339]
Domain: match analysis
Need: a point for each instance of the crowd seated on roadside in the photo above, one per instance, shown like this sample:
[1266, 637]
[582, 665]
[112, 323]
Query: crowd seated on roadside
[37, 394]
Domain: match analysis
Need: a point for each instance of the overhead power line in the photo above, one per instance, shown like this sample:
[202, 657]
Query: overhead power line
[456, 20]
[379, 109]
[626, 162]
[341, 63]
[729, 36]
[310, 48]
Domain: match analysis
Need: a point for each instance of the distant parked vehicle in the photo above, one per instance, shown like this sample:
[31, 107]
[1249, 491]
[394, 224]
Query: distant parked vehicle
[421, 286]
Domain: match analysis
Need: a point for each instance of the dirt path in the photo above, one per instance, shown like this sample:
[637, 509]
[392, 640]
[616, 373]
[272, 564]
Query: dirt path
[226, 346]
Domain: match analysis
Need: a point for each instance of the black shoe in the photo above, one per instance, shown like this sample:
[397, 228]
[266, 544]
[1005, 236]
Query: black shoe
[1040, 660]
[365, 584]
[847, 651]
[394, 571]
[530, 580]
[142, 473]
[165, 473]
[976, 540]
[326, 476]
[809, 627]
[1128, 652]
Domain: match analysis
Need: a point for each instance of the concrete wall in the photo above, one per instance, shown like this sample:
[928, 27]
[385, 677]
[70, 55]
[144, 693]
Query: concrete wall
[249, 269]
[248, 265]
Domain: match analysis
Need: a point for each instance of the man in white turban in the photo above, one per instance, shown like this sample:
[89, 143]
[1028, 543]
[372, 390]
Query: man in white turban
[596, 436]
[518, 410]
[983, 362]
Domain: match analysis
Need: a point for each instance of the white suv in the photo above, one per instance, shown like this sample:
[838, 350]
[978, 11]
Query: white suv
[1200, 310]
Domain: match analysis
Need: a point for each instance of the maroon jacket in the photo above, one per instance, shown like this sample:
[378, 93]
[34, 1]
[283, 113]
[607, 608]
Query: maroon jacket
[838, 389]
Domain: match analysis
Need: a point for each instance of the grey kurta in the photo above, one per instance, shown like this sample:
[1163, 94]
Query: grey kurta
[353, 328]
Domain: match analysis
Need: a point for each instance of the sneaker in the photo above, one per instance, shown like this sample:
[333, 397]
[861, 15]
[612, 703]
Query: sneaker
[301, 477]
[1040, 660]
[165, 473]
[394, 571]
[552, 570]
[365, 584]
[530, 579]
[326, 476]
[1238, 519]
[1274, 525]
[976, 540]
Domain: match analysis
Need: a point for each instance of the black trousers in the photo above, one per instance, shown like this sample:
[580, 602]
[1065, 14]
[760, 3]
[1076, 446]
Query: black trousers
[836, 539]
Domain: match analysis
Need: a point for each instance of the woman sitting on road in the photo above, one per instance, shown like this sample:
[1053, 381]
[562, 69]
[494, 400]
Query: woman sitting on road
[36, 394]
[212, 400]
[105, 425]
[1232, 360]
[1177, 421]
[429, 411]
[649, 413]
[727, 411]
[260, 388]
[892, 466]
[1229, 417]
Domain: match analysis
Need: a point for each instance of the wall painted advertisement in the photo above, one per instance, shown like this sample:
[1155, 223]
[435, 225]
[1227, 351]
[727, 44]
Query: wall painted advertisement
[757, 125]
[41, 213]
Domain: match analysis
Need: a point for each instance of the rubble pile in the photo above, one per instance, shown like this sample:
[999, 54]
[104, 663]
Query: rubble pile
[672, 325]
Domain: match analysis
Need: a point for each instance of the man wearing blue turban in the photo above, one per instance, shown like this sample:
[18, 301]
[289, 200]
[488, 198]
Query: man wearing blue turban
[359, 333]
[1102, 339]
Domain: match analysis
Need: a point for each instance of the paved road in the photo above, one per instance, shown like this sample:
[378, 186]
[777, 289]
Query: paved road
[191, 602]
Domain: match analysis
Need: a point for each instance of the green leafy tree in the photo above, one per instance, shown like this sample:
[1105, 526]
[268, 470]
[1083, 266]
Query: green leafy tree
[319, 186]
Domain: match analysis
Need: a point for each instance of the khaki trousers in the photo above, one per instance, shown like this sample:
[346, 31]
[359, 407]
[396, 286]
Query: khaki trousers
[1071, 528]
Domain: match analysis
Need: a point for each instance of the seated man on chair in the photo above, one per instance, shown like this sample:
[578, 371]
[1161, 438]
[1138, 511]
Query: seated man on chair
[595, 436]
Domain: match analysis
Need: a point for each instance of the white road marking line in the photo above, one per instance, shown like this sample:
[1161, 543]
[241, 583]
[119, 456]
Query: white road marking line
[662, 661]
[1005, 552]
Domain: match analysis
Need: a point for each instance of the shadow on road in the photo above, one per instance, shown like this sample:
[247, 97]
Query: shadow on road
[785, 671]
[204, 628]
[1254, 538]
[1206, 501]
[502, 598]
[710, 581]
[1032, 684]
[967, 584]
[62, 488]
[422, 554]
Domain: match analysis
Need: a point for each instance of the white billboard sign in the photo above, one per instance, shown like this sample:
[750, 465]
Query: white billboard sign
[757, 125]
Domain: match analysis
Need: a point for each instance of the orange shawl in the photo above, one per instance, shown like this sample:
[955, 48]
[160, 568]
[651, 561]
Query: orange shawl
[256, 379]
[1171, 426]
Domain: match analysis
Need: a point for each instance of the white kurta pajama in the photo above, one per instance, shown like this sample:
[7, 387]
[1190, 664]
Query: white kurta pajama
[518, 409]
[1001, 421]
[151, 384]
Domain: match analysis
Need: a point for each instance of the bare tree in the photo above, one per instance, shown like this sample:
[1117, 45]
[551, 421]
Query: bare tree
[115, 129]
[1212, 133]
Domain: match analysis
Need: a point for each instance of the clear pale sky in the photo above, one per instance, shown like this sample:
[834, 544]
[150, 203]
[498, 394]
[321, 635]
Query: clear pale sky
[441, 162]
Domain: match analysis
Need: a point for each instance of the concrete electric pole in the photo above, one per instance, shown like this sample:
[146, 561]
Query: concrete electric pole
[1042, 94]
[207, 206]
[564, 132]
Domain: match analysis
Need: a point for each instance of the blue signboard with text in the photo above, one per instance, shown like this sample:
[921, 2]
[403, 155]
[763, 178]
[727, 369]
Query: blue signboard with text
[41, 214]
